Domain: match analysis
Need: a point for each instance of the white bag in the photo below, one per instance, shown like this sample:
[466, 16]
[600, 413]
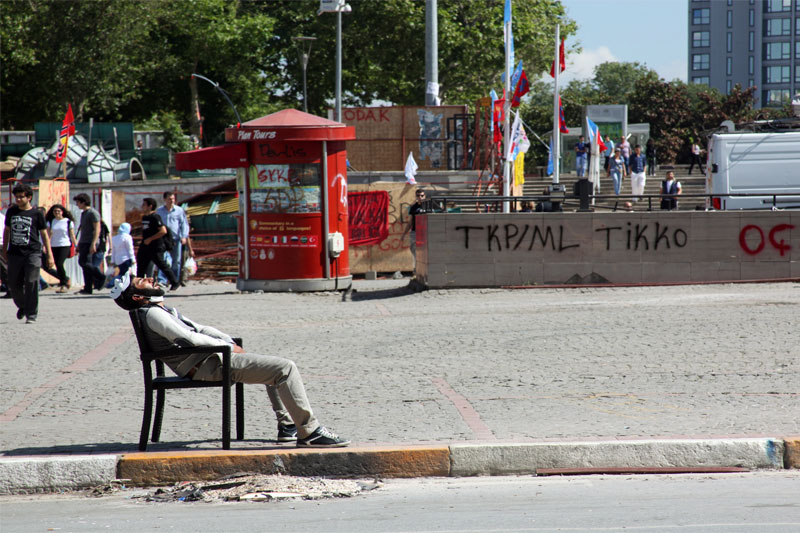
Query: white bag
[189, 267]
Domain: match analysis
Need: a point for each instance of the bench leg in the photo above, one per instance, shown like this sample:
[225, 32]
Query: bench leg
[239, 411]
[147, 414]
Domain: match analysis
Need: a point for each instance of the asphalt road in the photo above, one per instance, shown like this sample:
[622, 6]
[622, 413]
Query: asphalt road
[757, 502]
[393, 366]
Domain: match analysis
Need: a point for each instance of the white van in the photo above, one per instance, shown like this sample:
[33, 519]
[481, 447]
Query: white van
[754, 163]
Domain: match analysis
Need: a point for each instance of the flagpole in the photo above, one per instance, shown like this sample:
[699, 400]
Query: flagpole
[556, 130]
[507, 105]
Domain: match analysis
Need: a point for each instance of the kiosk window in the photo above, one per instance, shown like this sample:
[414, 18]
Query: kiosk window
[293, 188]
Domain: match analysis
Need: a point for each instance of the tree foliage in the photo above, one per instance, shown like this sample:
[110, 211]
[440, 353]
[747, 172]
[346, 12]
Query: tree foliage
[133, 59]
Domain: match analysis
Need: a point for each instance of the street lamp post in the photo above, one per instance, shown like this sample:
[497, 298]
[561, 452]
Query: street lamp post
[338, 7]
[304, 55]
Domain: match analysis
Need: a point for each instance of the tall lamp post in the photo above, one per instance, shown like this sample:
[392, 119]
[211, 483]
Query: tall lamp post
[338, 7]
[304, 55]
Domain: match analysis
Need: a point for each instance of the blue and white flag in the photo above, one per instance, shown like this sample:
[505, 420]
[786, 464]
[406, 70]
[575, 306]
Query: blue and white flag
[509, 36]
[550, 159]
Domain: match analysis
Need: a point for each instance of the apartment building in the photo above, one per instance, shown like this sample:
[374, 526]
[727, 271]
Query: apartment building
[749, 42]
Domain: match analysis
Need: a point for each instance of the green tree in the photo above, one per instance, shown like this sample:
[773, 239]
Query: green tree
[666, 107]
[89, 54]
[616, 80]
[383, 49]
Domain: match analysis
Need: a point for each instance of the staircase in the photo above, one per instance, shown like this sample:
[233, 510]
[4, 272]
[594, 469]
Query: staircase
[690, 184]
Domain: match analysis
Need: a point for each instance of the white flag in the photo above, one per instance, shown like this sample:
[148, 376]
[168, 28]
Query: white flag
[411, 169]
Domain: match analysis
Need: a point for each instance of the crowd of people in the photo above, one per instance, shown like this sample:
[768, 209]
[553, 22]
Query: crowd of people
[34, 241]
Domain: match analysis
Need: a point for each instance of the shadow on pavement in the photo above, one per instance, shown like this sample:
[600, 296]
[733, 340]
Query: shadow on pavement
[132, 447]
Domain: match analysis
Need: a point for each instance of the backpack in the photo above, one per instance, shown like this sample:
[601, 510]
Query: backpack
[168, 241]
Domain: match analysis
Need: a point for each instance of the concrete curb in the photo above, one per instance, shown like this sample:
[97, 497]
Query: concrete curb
[46, 474]
[37, 474]
[471, 460]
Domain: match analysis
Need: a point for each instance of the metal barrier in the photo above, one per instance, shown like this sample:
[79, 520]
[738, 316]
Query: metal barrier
[441, 203]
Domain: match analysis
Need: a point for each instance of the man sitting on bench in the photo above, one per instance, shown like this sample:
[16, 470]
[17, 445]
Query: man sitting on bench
[166, 328]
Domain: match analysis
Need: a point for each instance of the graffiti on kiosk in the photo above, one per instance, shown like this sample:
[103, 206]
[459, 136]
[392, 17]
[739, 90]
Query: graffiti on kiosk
[285, 200]
[281, 150]
[751, 230]
[262, 176]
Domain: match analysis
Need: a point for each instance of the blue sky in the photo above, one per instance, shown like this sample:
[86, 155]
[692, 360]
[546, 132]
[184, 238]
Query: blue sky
[653, 32]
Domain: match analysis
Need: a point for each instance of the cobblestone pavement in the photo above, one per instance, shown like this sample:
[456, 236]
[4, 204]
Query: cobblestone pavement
[392, 366]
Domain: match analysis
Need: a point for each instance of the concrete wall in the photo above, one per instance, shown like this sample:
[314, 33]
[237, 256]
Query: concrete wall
[491, 250]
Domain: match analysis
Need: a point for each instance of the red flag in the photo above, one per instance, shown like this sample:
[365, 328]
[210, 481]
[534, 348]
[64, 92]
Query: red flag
[562, 123]
[67, 131]
[498, 117]
[600, 144]
[561, 62]
[521, 90]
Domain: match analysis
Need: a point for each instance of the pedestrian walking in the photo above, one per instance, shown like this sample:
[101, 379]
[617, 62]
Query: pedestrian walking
[152, 247]
[174, 218]
[581, 149]
[61, 230]
[650, 152]
[91, 247]
[637, 172]
[616, 169]
[696, 157]
[25, 240]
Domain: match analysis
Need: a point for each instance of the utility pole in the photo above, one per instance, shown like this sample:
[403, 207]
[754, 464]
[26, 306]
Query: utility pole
[431, 53]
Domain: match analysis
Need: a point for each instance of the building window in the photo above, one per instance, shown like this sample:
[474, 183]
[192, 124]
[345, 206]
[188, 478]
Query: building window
[776, 6]
[752, 18]
[797, 73]
[700, 61]
[778, 27]
[728, 85]
[750, 83]
[730, 19]
[729, 43]
[797, 24]
[703, 80]
[779, 50]
[777, 97]
[730, 2]
[729, 66]
[779, 74]
[751, 65]
[797, 49]
[700, 38]
[751, 45]
[701, 16]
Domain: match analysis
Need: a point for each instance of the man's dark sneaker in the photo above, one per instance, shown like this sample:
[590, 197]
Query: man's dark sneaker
[30, 320]
[20, 314]
[322, 438]
[287, 433]
[84, 291]
[174, 287]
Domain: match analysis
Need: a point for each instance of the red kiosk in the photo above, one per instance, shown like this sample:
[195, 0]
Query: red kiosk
[292, 183]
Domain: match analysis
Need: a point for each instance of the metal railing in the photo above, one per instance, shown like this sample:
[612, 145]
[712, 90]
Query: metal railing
[442, 203]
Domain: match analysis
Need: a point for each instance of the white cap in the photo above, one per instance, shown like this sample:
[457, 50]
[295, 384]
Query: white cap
[120, 285]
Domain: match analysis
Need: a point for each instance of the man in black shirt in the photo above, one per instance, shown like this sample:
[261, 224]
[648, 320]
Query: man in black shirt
[24, 239]
[90, 247]
[413, 211]
[152, 247]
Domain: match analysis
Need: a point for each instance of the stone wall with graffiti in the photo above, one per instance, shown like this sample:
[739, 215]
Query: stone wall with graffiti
[393, 253]
[385, 136]
[579, 248]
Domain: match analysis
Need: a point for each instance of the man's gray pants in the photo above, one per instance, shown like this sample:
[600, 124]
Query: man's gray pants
[282, 378]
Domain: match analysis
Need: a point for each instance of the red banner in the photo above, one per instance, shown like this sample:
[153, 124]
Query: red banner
[368, 215]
